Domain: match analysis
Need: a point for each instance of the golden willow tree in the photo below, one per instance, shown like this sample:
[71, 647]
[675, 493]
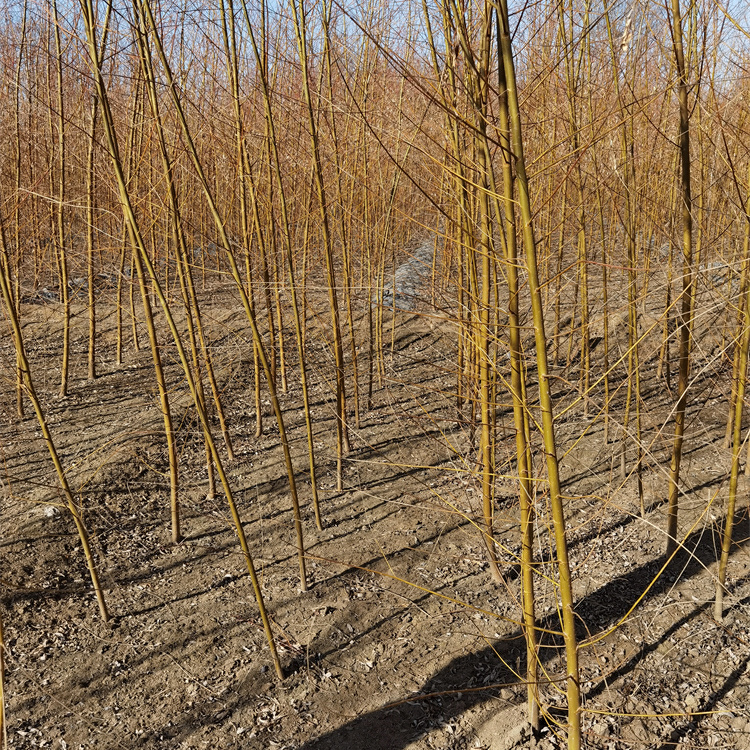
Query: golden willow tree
[578, 171]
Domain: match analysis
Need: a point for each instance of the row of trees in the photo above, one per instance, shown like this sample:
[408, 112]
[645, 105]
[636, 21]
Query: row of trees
[561, 151]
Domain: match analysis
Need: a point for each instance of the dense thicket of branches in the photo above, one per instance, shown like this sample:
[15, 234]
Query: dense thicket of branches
[300, 147]
[385, 101]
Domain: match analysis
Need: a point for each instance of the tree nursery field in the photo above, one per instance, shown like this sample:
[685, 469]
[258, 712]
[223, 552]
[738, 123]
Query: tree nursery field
[374, 375]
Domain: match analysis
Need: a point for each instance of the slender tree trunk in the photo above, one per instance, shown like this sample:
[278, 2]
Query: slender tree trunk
[686, 312]
[550, 448]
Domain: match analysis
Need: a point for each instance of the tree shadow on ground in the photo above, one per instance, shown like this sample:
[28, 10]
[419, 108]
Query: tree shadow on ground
[712, 703]
[393, 727]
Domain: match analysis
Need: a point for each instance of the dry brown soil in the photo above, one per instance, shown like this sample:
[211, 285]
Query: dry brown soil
[403, 640]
